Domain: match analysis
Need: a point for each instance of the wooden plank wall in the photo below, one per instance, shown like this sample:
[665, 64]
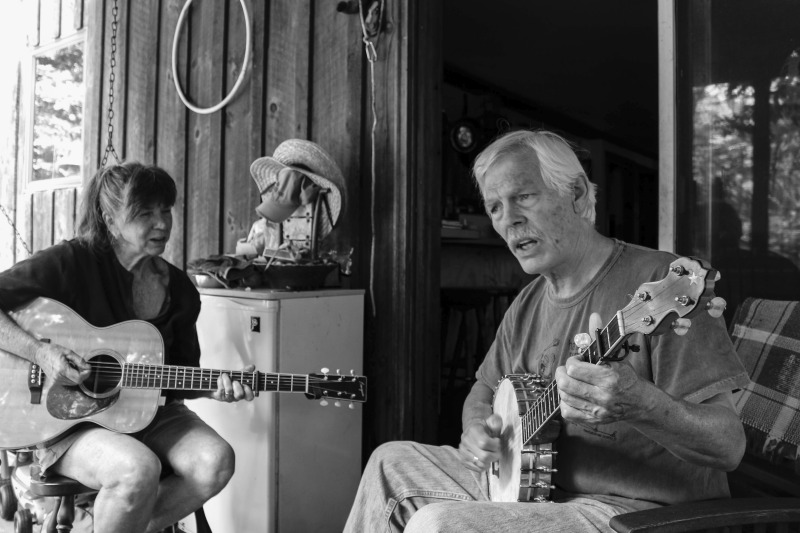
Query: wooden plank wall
[304, 80]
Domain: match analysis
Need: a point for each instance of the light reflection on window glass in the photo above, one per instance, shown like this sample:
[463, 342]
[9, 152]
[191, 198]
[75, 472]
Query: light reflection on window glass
[58, 114]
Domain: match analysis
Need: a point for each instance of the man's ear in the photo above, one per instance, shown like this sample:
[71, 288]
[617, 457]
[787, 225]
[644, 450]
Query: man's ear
[580, 194]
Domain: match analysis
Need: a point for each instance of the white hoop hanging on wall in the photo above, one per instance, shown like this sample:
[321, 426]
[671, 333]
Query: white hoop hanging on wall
[239, 80]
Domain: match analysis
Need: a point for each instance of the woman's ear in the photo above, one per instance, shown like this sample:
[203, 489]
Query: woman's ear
[109, 220]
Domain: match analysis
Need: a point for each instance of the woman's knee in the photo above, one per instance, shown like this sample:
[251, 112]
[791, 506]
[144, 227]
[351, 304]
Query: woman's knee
[214, 466]
[131, 475]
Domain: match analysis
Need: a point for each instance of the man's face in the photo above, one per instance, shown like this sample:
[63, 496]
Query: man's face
[539, 225]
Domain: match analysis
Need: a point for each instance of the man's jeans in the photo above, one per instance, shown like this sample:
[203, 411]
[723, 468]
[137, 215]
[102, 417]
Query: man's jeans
[418, 488]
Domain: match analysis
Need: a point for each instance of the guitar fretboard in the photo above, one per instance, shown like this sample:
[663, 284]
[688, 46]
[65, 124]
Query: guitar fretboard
[141, 376]
[547, 403]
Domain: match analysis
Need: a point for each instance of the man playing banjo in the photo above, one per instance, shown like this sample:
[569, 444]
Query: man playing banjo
[655, 428]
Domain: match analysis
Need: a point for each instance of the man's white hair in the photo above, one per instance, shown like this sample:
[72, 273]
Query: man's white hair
[558, 163]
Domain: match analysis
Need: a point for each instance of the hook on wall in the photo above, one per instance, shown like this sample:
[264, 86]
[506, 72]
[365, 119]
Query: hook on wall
[373, 13]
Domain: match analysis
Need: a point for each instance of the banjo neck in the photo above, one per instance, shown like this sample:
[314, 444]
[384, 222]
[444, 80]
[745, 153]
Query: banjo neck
[606, 344]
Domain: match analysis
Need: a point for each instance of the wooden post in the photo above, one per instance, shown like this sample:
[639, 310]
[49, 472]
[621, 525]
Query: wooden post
[401, 226]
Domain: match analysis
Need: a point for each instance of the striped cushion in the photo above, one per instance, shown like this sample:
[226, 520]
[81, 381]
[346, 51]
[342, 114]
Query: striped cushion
[766, 335]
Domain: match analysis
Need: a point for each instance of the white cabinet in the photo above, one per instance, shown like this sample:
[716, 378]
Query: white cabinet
[298, 463]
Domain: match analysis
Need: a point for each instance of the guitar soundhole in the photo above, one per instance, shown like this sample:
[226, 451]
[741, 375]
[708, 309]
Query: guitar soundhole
[106, 374]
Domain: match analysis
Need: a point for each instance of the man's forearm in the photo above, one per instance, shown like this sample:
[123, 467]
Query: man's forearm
[478, 405]
[705, 434]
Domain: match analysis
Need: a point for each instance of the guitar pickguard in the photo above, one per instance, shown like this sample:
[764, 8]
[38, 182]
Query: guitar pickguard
[70, 403]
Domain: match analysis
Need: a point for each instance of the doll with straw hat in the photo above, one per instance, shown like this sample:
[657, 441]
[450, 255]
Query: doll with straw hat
[295, 174]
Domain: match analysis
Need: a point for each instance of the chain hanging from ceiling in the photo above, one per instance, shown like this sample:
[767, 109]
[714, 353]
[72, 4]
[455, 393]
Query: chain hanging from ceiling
[111, 78]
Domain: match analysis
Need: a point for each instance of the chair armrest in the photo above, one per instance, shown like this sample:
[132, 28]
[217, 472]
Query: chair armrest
[697, 516]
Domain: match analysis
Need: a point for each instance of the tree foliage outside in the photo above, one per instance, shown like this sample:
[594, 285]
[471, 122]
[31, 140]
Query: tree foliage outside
[723, 155]
[58, 113]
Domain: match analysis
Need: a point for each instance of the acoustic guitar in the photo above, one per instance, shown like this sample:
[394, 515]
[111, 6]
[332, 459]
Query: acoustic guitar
[127, 376]
[526, 403]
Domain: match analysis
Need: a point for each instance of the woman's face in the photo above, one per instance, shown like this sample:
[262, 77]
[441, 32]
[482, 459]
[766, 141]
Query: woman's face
[140, 234]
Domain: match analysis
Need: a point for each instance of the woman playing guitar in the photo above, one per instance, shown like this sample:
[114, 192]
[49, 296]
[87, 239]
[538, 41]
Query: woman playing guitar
[111, 273]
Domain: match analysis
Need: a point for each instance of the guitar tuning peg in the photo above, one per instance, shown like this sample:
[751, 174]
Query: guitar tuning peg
[717, 276]
[716, 306]
[323, 402]
[681, 326]
[325, 370]
[679, 270]
[337, 403]
[338, 371]
[352, 372]
[351, 406]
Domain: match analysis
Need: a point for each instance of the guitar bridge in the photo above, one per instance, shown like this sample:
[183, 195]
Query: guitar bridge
[35, 384]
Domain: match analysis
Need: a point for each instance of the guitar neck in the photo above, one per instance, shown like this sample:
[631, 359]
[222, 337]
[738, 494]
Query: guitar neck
[607, 342]
[166, 377]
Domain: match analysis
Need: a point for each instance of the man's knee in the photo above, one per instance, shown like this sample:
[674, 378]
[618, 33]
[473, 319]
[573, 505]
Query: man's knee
[436, 518]
[390, 455]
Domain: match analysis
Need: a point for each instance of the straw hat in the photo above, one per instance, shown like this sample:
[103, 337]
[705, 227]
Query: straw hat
[308, 158]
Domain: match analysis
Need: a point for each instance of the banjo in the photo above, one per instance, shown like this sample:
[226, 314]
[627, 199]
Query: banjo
[527, 404]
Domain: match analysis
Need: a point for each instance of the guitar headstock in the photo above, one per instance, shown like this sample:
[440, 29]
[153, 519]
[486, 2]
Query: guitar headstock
[687, 290]
[337, 388]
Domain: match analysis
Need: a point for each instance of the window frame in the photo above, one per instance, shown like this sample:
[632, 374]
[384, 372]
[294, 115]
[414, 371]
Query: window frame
[28, 102]
[667, 126]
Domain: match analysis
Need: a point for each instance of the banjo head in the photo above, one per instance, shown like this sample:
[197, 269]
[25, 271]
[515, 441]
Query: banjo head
[523, 472]
[504, 476]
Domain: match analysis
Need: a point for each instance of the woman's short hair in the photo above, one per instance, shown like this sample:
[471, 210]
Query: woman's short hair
[127, 187]
[558, 163]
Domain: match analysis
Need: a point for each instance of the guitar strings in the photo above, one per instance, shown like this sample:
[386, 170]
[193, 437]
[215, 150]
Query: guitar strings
[200, 376]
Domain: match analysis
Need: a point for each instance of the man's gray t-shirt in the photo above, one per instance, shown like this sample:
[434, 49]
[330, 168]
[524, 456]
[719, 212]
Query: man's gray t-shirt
[536, 336]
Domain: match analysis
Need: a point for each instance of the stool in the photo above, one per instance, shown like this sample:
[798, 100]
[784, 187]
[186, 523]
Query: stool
[52, 486]
[8, 501]
[65, 489]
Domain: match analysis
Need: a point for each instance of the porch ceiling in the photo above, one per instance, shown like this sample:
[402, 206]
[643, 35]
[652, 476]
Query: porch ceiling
[591, 63]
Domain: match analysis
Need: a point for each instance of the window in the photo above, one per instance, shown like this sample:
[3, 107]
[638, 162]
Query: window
[55, 136]
[738, 152]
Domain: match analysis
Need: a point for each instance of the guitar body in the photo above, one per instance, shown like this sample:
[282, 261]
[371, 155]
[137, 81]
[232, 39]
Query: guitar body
[524, 471]
[26, 421]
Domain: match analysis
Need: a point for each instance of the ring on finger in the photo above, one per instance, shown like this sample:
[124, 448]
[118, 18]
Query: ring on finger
[475, 459]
